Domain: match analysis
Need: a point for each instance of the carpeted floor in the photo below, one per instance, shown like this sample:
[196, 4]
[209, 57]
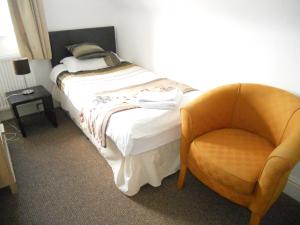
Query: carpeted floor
[62, 179]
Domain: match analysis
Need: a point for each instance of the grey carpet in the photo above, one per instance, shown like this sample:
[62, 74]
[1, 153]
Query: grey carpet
[62, 179]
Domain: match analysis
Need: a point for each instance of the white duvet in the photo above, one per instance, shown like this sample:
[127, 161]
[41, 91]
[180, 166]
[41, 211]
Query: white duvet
[133, 131]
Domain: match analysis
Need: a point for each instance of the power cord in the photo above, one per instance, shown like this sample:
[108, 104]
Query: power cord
[12, 136]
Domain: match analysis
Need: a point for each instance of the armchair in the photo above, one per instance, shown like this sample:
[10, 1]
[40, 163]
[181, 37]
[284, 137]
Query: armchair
[242, 141]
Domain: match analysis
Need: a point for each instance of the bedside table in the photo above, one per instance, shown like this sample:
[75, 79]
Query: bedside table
[16, 98]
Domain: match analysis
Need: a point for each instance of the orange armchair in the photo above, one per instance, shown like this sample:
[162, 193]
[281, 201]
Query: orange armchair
[242, 141]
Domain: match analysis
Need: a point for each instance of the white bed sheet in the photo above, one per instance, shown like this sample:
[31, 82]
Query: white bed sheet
[130, 172]
[133, 131]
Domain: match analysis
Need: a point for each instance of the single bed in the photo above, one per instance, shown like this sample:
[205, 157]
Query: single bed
[141, 145]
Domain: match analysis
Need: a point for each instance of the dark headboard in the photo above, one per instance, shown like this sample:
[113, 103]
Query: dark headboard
[104, 36]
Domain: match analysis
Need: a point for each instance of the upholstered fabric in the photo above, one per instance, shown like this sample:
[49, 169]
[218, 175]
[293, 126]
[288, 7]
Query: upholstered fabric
[233, 157]
[225, 191]
[197, 117]
[264, 110]
[242, 140]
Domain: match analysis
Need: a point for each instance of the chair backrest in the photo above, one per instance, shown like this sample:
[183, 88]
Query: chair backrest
[266, 111]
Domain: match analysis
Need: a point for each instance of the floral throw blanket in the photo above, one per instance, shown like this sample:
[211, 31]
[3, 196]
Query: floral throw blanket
[97, 111]
[96, 115]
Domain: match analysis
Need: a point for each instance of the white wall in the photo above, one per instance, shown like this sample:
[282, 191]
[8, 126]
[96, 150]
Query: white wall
[207, 43]
[212, 42]
[70, 14]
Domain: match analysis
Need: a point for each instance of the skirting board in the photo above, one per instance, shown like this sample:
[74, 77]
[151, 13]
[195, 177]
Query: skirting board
[292, 188]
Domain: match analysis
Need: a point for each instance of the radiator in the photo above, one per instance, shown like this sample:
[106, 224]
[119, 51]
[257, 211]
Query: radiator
[10, 82]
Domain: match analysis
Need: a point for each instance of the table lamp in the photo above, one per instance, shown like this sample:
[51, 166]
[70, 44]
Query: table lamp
[21, 67]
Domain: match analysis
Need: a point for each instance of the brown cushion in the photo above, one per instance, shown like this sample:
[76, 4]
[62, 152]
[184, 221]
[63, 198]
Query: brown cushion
[233, 157]
[86, 51]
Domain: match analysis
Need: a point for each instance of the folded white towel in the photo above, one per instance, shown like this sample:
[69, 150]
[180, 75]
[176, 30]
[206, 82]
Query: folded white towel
[160, 100]
[159, 105]
[158, 96]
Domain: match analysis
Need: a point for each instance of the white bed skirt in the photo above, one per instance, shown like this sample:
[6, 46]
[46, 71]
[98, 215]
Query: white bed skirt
[151, 167]
[133, 171]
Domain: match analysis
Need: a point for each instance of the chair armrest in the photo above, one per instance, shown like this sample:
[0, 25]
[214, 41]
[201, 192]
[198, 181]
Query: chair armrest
[275, 173]
[208, 112]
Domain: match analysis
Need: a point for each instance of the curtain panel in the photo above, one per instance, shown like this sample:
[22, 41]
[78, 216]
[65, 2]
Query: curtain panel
[30, 28]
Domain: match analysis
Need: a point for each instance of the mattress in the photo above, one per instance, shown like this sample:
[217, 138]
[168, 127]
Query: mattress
[133, 131]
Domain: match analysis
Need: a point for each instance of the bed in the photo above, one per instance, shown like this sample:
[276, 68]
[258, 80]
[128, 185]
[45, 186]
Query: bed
[141, 145]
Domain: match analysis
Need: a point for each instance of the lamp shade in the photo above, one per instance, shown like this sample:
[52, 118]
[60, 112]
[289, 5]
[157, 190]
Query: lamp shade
[21, 66]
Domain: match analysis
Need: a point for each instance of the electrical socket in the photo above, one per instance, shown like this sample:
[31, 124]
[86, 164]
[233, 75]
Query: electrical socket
[38, 106]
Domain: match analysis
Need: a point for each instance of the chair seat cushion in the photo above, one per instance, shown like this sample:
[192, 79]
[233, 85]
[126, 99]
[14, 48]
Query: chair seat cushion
[233, 157]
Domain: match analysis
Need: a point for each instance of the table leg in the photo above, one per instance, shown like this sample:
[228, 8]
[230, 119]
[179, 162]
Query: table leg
[16, 114]
[49, 110]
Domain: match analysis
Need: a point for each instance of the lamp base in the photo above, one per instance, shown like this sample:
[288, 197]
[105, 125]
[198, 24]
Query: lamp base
[28, 92]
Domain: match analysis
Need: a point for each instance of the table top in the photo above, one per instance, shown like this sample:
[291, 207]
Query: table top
[16, 97]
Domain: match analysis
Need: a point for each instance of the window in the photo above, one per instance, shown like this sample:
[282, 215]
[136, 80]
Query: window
[8, 43]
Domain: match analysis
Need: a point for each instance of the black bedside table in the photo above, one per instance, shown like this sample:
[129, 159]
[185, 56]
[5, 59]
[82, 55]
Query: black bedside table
[16, 98]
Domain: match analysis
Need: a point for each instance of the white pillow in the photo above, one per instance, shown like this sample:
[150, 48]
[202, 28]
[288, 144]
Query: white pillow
[56, 71]
[75, 65]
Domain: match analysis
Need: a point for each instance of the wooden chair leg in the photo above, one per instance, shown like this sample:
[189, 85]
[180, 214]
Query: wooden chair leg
[181, 176]
[255, 219]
